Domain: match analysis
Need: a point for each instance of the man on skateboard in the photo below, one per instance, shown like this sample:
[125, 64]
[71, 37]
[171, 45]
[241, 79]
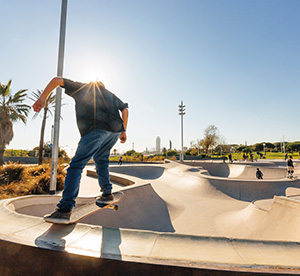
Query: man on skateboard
[100, 126]
[259, 174]
[290, 167]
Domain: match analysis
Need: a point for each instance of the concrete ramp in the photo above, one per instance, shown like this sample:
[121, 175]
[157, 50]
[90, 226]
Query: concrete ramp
[241, 170]
[145, 172]
[275, 220]
[171, 215]
[141, 208]
[249, 190]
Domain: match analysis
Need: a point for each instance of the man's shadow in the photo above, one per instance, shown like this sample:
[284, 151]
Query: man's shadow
[53, 238]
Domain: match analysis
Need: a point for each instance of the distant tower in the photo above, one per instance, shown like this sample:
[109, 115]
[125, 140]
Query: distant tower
[170, 148]
[158, 144]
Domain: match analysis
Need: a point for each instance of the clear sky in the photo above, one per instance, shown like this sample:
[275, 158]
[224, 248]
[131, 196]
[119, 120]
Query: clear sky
[234, 63]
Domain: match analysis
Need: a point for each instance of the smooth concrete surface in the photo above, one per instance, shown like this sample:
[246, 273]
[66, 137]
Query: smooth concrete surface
[244, 171]
[172, 215]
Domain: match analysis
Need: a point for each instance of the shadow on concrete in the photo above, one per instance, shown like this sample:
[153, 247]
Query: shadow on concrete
[141, 208]
[110, 246]
[53, 238]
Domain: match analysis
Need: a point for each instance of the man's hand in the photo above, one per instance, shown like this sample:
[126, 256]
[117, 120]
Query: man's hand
[39, 104]
[123, 137]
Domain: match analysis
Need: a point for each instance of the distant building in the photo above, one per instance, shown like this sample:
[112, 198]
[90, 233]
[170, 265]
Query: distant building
[157, 144]
[170, 147]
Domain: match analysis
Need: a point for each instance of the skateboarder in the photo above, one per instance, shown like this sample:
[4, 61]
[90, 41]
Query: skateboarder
[259, 174]
[251, 157]
[290, 167]
[120, 162]
[230, 158]
[100, 126]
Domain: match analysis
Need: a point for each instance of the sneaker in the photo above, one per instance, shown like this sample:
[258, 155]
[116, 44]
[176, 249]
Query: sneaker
[58, 217]
[105, 199]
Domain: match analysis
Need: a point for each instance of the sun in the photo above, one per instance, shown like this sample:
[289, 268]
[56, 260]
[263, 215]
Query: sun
[91, 75]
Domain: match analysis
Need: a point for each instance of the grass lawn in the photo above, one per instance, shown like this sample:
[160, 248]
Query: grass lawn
[269, 155]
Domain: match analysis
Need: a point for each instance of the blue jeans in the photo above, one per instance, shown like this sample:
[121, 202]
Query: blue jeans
[96, 144]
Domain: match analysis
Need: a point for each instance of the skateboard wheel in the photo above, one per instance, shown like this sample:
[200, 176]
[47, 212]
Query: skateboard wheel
[116, 208]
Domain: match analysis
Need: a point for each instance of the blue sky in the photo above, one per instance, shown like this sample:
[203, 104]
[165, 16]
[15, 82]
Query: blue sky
[234, 63]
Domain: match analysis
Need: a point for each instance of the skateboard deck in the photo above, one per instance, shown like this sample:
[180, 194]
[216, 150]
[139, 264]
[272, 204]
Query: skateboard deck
[293, 177]
[88, 209]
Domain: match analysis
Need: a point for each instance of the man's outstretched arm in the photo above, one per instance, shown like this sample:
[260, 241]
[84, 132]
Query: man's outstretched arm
[40, 103]
[123, 136]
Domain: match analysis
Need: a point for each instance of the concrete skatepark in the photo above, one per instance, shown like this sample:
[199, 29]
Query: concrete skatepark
[196, 218]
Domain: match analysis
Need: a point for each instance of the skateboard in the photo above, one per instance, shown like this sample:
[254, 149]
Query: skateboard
[88, 209]
[293, 177]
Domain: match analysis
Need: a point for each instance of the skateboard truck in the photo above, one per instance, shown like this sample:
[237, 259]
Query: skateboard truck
[114, 207]
[108, 206]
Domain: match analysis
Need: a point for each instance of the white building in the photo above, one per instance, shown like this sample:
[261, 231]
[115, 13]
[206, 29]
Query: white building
[158, 144]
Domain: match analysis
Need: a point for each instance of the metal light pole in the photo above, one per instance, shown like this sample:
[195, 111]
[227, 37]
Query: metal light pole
[181, 113]
[60, 66]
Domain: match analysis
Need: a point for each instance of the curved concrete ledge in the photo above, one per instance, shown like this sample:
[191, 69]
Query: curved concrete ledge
[250, 189]
[275, 219]
[145, 172]
[271, 170]
[114, 178]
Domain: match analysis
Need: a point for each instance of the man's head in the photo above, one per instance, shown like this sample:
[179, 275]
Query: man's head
[97, 84]
[100, 84]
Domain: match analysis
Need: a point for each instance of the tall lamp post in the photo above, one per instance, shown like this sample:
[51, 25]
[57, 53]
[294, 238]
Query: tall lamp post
[181, 113]
[61, 51]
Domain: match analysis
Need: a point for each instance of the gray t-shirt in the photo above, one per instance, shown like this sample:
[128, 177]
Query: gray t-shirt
[96, 107]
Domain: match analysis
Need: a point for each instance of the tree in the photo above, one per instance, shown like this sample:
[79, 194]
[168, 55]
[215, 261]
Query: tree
[50, 103]
[12, 109]
[294, 146]
[270, 145]
[192, 151]
[258, 147]
[48, 151]
[130, 152]
[171, 153]
[211, 137]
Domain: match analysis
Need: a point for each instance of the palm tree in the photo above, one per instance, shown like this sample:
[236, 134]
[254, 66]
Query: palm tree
[50, 102]
[11, 109]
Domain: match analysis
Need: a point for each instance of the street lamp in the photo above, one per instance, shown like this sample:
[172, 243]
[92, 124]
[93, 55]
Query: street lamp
[61, 50]
[181, 113]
